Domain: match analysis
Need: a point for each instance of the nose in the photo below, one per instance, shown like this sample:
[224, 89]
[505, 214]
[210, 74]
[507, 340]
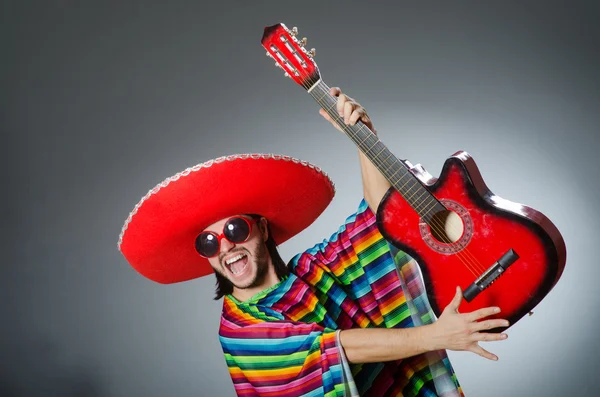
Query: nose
[226, 245]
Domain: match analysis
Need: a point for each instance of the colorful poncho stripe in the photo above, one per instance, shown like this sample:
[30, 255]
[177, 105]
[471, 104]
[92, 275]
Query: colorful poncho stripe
[284, 340]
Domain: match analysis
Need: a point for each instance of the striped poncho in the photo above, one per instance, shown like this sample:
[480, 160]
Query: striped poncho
[284, 340]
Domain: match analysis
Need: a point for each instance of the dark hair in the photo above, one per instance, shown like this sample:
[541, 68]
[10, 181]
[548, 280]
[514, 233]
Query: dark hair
[225, 287]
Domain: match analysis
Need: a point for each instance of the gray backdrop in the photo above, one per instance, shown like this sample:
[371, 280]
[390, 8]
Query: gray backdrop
[102, 100]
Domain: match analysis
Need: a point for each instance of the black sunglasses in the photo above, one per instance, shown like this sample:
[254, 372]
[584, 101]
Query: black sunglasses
[236, 230]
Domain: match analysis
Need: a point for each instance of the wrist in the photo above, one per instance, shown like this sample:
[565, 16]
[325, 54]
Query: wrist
[432, 338]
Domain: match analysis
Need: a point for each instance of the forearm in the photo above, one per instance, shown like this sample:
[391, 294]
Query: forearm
[375, 185]
[366, 345]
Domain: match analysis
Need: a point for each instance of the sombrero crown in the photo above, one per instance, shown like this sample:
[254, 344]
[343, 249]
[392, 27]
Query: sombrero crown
[158, 236]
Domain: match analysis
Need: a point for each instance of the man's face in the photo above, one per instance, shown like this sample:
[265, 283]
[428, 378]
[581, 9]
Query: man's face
[244, 264]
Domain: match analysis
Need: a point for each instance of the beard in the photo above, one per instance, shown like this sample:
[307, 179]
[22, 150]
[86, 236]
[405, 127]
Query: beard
[262, 266]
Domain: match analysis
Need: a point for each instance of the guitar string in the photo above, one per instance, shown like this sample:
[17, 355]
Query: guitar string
[436, 225]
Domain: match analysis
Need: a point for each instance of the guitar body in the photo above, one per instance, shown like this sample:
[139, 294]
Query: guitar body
[485, 227]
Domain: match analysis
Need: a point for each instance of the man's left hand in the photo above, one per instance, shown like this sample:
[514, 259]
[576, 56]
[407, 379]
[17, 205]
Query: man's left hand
[348, 109]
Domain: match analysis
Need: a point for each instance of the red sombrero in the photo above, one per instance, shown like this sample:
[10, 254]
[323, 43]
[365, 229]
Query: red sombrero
[158, 236]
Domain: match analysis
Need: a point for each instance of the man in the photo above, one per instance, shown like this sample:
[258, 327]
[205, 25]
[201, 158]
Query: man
[347, 317]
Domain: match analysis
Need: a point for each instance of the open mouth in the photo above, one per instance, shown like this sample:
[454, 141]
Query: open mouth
[237, 264]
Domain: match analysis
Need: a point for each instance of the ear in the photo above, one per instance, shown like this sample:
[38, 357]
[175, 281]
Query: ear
[264, 230]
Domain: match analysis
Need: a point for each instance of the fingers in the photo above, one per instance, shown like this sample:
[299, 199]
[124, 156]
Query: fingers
[341, 99]
[490, 324]
[487, 337]
[345, 107]
[484, 353]
[350, 110]
[327, 117]
[455, 303]
[481, 313]
[358, 114]
[481, 351]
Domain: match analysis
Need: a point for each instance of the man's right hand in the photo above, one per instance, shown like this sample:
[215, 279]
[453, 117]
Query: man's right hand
[452, 331]
[463, 331]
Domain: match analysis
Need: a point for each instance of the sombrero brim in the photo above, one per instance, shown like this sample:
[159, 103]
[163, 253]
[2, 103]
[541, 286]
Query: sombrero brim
[158, 237]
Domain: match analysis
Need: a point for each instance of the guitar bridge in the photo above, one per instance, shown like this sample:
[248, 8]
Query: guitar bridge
[490, 275]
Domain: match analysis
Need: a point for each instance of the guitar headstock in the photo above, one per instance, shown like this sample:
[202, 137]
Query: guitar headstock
[290, 55]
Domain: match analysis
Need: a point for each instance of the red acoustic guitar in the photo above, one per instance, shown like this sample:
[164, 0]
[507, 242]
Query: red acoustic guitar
[499, 252]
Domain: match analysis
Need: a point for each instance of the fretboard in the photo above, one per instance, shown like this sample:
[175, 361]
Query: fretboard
[394, 170]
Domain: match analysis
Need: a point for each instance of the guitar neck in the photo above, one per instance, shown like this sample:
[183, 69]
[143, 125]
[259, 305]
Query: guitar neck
[394, 170]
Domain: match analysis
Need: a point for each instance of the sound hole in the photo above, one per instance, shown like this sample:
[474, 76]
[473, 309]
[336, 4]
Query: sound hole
[446, 227]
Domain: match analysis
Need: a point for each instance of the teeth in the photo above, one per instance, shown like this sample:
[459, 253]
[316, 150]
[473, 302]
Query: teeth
[235, 258]
[238, 272]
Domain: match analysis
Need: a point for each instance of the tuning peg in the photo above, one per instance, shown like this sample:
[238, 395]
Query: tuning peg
[287, 74]
[269, 54]
[312, 52]
[294, 31]
[303, 41]
[278, 65]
